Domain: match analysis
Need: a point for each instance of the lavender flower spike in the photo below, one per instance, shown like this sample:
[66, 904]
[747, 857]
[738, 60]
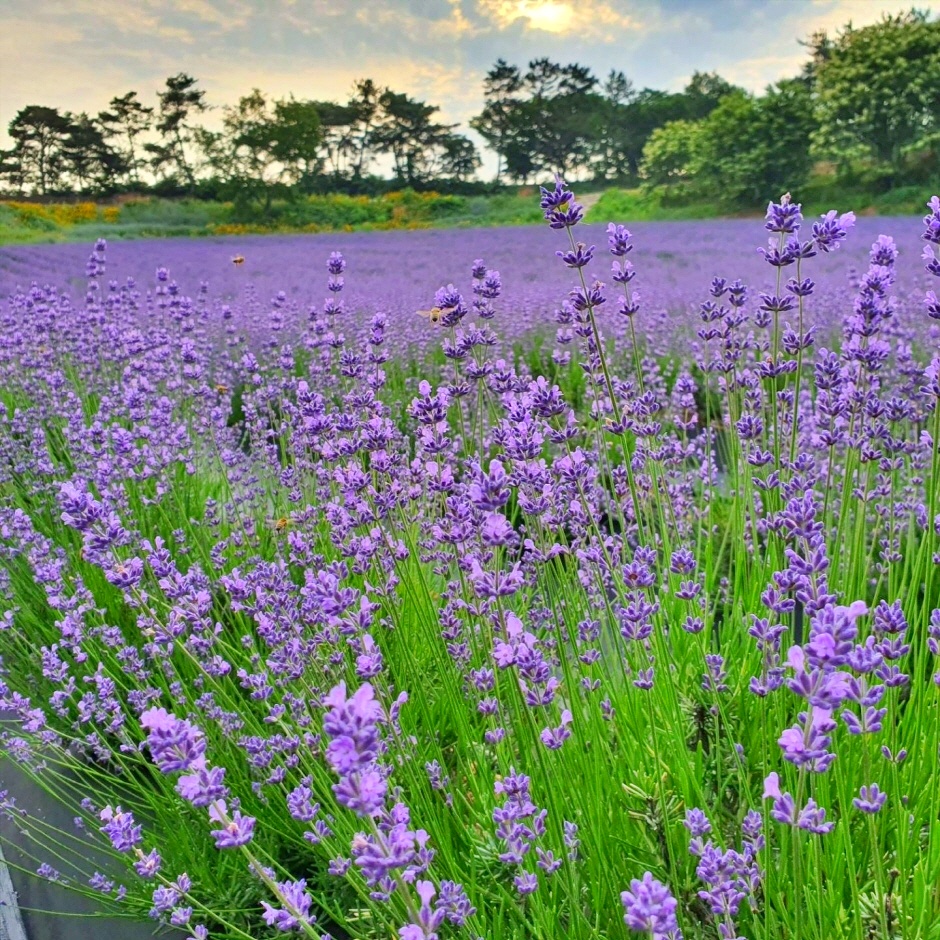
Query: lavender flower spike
[651, 909]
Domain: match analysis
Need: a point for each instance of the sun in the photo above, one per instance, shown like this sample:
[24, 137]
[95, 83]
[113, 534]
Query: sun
[549, 16]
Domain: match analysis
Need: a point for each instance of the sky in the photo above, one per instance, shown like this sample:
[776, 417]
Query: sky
[78, 54]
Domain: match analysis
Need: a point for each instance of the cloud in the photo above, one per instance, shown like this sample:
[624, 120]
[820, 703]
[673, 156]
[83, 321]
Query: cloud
[225, 16]
[596, 19]
[757, 73]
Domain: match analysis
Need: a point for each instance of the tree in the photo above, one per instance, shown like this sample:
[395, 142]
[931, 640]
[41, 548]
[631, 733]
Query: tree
[338, 149]
[879, 87]
[820, 50]
[616, 146]
[618, 89]
[178, 103]
[703, 93]
[244, 154]
[348, 141]
[543, 120]
[494, 123]
[264, 146]
[128, 119]
[746, 148]
[12, 170]
[88, 157]
[39, 134]
[407, 132]
[459, 159]
[672, 153]
[297, 138]
[364, 108]
[630, 117]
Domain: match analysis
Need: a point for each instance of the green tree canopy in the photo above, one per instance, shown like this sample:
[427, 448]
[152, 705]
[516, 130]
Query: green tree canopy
[88, 157]
[179, 101]
[671, 155]
[39, 135]
[878, 88]
[494, 124]
[747, 147]
[127, 119]
[419, 145]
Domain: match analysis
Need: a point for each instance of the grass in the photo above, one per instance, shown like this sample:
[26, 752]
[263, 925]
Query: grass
[819, 194]
[147, 217]
[32, 223]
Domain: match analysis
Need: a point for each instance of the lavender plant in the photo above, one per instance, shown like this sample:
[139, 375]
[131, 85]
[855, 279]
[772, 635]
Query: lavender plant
[636, 632]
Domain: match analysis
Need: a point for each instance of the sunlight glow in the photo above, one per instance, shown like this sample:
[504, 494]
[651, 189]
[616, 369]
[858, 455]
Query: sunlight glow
[546, 15]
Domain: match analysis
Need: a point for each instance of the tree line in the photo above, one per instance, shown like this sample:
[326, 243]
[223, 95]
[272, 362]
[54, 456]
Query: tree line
[866, 98]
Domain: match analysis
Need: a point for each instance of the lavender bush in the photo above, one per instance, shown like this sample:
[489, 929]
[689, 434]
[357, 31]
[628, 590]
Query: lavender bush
[324, 625]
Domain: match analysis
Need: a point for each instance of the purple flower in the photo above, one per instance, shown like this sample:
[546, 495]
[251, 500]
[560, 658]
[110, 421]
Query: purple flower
[651, 908]
[580, 257]
[237, 830]
[697, 822]
[784, 216]
[618, 240]
[363, 792]
[296, 910]
[553, 738]
[148, 865]
[526, 883]
[174, 744]
[832, 229]
[561, 211]
[812, 818]
[351, 723]
[870, 799]
[428, 920]
[204, 785]
[120, 828]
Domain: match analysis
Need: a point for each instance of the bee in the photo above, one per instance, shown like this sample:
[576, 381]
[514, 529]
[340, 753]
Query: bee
[221, 389]
[238, 260]
[281, 524]
[433, 316]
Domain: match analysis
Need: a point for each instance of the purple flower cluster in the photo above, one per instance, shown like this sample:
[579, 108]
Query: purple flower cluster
[651, 909]
[730, 876]
[520, 824]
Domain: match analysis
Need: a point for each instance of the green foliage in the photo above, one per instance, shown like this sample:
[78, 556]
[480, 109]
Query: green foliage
[878, 89]
[671, 153]
[746, 147]
[555, 117]
[179, 101]
[818, 195]
[14, 231]
[128, 118]
[419, 146]
[263, 149]
[494, 124]
[752, 146]
[39, 134]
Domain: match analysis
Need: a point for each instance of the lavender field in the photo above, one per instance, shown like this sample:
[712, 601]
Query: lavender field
[600, 600]
[397, 273]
